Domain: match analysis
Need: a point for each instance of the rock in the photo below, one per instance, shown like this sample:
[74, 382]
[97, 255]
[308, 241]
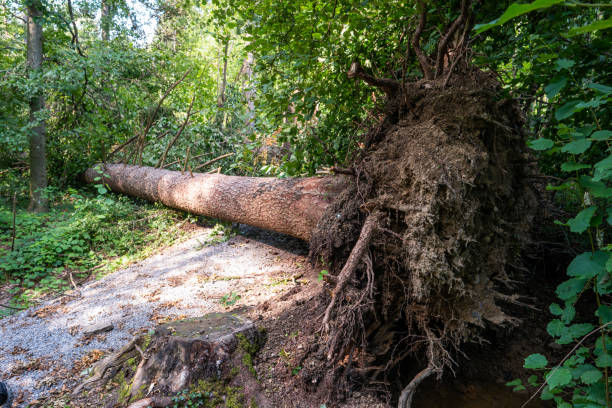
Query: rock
[182, 352]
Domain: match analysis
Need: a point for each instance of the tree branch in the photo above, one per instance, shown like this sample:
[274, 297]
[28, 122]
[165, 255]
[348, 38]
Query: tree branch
[443, 43]
[416, 37]
[389, 86]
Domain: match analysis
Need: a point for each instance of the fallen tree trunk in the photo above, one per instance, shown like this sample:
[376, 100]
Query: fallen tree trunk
[290, 206]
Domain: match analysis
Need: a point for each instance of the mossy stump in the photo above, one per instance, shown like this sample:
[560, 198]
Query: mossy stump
[176, 355]
[185, 351]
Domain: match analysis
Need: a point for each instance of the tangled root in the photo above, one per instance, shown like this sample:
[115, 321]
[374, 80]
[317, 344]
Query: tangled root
[420, 240]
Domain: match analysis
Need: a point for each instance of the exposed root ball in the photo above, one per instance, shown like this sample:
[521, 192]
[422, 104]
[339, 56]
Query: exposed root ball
[446, 169]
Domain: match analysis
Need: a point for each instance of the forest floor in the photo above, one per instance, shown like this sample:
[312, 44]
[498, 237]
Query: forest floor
[48, 349]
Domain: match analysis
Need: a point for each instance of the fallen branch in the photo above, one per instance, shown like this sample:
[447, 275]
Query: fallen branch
[12, 307]
[160, 165]
[223, 156]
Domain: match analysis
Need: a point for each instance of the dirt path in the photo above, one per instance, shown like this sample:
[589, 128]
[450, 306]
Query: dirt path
[46, 349]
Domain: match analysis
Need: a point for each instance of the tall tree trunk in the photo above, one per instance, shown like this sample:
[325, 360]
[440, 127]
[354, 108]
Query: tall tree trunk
[249, 91]
[105, 19]
[38, 157]
[221, 88]
[290, 206]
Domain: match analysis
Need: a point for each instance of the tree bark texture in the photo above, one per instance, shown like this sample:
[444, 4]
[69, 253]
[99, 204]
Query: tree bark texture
[38, 157]
[105, 20]
[289, 206]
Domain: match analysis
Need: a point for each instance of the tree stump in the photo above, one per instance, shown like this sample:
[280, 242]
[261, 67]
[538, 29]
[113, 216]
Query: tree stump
[176, 355]
[185, 351]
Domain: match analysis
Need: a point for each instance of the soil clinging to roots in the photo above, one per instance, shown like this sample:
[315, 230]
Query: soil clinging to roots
[445, 180]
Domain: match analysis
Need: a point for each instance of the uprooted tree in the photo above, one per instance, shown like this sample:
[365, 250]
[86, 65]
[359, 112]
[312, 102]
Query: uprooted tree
[417, 233]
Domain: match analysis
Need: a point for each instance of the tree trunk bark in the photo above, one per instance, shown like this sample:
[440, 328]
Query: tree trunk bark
[221, 89]
[289, 206]
[105, 20]
[38, 157]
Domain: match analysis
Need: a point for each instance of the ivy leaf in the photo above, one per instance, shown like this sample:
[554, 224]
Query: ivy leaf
[598, 25]
[577, 146]
[541, 144]
[535, 361]
[591, 376]
[559, 377]
[567, 110]
[601, 135]
[581, 222]
[554, 88]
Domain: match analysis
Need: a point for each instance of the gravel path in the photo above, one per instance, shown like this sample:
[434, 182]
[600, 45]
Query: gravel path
[45, 349]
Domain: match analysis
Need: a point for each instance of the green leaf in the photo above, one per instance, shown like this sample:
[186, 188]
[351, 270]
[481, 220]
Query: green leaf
[570, 288]
[587, 264]
[559, 377]
[605, 163]
[581, 222]
[573, 332]
[533, 380]
[601, 135]
[554, 88]
[605, 313]
[572, 166]
[564, 63]
[555, 309]
[591, 376]
[515, 10]
[604, 89]
[604, 360]
[597, 188]
[541, 144]
[567, 110]
[598, 25]
[535, 361]
[577, 146]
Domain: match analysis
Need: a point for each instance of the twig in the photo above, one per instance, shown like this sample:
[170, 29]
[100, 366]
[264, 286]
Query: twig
[186, 160]
[223, 156]
[565, 358]
[12, 307]
[213, 171]
[178, 161]
[120, 147]
[160, 165]
[14, 221]
[72, 280]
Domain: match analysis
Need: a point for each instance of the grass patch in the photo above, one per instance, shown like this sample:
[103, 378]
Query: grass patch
[80, 232]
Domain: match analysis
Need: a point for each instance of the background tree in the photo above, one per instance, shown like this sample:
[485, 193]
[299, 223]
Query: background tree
[38, 155]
